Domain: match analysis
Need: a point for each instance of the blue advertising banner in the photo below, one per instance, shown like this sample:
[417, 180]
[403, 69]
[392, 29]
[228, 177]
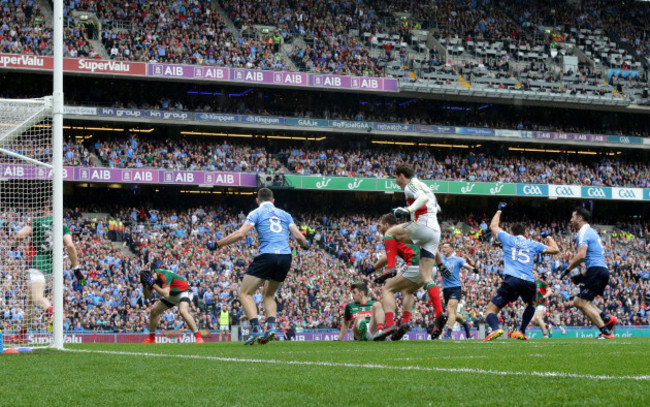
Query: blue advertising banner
[306, 122]
[532, 190]
[624, 140]
[262, 120]
[392, 127]
[217, 117]
[474, 131]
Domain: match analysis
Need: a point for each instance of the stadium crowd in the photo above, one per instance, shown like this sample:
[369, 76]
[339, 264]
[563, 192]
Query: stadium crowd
[327, 36]
[317, 287]
[488, 164]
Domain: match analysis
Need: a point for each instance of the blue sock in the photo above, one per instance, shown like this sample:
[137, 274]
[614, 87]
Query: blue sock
[467, 332]
[447, 332]
[604, 316]
[493, 321]
[255, 326]
[525, 319]
[270, 322]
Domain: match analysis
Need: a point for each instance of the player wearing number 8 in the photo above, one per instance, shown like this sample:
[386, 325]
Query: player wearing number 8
[271, 266]
[519, 279]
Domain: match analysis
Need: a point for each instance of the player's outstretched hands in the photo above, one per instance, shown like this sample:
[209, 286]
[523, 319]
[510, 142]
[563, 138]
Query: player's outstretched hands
[79, 275]
[544, 233]
[401, 212]
[502, 206]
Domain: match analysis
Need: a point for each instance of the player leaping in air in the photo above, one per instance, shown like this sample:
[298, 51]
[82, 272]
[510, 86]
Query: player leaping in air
[422, 230]
[407, 281]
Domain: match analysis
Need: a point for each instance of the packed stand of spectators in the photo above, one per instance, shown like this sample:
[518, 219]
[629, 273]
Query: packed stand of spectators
[496, 166]
[316, 290]
[338, 158]
[325, 27]
[185, 154]
[181, 31]
[23, 29]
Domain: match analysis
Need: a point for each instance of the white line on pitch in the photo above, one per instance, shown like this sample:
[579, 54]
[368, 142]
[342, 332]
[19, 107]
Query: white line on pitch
[368, 366]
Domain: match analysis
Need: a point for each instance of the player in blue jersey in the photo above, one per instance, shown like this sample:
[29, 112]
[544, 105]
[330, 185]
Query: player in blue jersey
[594, 279]
[270, 267]
[451, 287]
[519, 279]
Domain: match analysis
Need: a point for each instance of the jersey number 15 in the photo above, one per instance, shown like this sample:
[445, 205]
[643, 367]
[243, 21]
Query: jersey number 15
[520, 255]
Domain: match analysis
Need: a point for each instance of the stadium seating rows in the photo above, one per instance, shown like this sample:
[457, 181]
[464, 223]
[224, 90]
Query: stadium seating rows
[364, 38]
[477, 164]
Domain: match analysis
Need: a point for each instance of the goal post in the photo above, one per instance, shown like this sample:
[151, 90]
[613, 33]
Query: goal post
[27, 169]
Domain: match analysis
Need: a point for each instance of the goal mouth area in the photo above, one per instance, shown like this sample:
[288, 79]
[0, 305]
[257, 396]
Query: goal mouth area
[26, 193]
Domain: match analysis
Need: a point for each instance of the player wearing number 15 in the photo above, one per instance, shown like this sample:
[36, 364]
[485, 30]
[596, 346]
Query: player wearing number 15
[271, 266]
[519, 279]
[40, 266]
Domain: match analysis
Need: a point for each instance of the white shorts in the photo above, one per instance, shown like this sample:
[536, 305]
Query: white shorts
[541, 308]
[411, 273]
[423, 236]
[224, 328]
[35, 276]
[176, 299]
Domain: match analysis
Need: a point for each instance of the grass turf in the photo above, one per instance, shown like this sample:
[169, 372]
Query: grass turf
[335, 373]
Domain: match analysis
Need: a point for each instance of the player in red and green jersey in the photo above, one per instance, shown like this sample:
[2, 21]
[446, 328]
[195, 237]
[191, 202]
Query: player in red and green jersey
[173, 290]
[543, 292]
[408, 281]
[363, 314]
[40, 266]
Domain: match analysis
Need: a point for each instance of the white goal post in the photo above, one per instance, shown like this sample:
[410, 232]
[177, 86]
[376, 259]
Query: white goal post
[27, 169]
[31, 186]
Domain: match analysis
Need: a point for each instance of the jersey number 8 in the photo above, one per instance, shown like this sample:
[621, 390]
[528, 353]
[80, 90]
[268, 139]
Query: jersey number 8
[276, 225]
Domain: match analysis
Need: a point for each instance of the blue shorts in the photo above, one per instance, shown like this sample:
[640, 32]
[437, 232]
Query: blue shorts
[594, 283]
[270, 266]
[452, 293]
[512, 288]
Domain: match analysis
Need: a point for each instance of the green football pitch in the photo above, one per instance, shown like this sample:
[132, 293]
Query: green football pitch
[413, 373]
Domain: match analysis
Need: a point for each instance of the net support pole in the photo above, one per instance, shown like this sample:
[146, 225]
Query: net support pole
[57, 157]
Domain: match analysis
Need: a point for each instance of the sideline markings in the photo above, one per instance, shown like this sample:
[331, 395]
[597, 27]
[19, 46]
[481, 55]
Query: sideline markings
[368, 366]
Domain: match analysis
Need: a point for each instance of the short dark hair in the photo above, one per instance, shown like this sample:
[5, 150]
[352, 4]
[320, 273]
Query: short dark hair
[405, 169]
[265, 195]
[388, 218]
[518, 229]
[361, 287]
[583, 213]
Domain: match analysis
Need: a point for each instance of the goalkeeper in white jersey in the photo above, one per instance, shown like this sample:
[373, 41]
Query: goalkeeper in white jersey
[423, 230]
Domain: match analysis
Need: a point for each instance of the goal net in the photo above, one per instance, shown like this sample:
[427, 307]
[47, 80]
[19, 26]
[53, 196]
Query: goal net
[26, 199]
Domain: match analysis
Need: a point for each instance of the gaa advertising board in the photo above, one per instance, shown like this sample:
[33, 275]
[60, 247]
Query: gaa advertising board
[471, 188]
